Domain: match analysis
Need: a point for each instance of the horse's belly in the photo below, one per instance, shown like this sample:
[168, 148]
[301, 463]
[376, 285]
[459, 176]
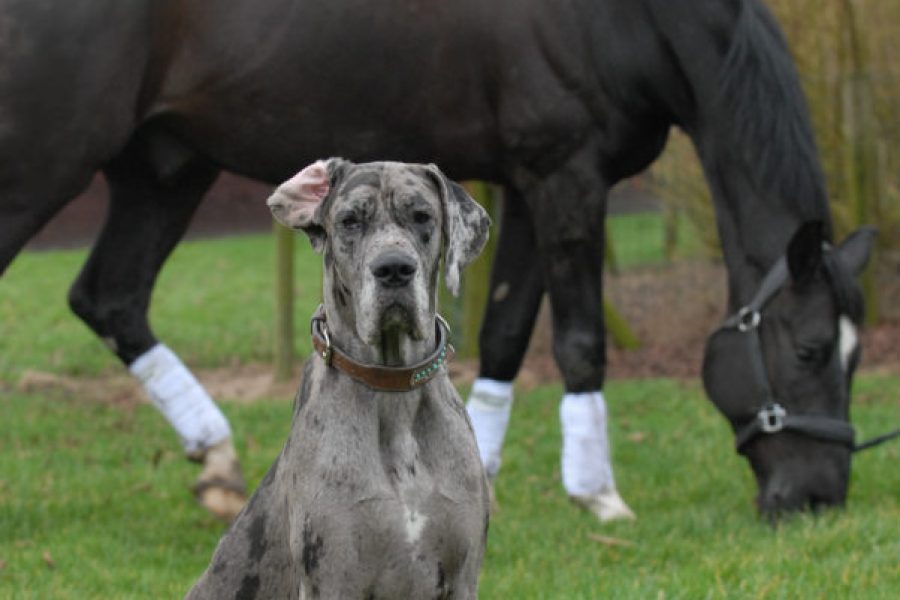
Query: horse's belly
[463, 84]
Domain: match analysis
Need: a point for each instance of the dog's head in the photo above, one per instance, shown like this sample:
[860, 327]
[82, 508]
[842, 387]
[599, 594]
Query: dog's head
[381, 228]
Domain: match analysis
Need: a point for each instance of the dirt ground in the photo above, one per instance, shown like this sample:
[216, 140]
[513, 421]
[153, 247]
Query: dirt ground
[672, 309]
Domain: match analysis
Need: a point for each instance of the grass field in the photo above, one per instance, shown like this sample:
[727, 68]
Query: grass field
[94, 503]
[214, 303]
[94, 499]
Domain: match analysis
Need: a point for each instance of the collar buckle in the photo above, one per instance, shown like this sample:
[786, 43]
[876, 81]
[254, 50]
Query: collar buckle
[328, 351]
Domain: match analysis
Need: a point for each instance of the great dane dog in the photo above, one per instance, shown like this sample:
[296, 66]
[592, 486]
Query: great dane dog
[379, 491]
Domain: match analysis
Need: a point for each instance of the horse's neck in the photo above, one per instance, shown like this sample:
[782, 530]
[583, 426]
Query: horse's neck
[747, 116]
[754, 231]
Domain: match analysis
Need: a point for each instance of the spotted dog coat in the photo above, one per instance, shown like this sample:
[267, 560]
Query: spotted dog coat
[374, 494]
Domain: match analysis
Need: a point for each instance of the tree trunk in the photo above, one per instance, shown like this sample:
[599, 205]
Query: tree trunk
[860, 149]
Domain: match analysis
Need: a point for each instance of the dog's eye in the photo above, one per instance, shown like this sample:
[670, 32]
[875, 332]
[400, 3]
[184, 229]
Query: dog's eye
[350, 221]
[420, 217]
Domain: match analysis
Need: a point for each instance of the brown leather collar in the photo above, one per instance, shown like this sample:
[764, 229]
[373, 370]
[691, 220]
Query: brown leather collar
[378, 377]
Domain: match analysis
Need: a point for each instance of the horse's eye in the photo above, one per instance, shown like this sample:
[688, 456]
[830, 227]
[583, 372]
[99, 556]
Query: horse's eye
[806, 354]
[420, 217]
[814, 355]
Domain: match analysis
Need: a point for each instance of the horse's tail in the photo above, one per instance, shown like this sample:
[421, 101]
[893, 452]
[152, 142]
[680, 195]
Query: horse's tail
[765, 110]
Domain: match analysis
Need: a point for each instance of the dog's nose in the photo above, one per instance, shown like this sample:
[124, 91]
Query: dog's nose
[393, 269]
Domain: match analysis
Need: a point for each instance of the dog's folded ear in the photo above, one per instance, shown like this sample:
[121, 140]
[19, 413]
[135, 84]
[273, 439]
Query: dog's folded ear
[297, 203]
[466, 227]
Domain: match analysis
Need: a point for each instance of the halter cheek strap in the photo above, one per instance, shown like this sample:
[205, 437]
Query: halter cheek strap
[379, 377]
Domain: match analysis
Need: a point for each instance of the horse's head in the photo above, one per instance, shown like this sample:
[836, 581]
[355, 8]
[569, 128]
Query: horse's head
[780, 369]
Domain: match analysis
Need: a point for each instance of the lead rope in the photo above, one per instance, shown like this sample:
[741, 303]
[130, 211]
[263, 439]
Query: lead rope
[877, 441]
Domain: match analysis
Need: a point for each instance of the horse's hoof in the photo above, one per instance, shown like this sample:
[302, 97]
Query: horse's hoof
[220, 487]
[606, 506]
[220, 498]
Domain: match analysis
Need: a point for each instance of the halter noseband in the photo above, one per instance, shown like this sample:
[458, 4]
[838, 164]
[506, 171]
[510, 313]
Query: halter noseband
[772, 417]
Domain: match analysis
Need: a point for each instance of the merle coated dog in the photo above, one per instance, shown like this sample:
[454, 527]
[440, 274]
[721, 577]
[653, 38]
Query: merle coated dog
[379, 491]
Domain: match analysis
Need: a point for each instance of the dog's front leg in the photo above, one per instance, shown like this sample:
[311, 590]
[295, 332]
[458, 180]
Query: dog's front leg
[253, 558]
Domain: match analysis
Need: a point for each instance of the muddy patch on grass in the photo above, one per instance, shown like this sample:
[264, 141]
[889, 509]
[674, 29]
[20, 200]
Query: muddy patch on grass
[241, 383]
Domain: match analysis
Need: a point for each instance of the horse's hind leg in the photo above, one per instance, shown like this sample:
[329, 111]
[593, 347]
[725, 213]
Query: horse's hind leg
[516, 290]
[28, 203]
[147, 217]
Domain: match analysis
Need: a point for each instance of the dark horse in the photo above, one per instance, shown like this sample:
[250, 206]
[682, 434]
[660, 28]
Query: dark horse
[554, 100]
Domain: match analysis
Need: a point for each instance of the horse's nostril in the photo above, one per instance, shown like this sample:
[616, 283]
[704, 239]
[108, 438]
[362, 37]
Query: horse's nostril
[775, 502]
[393, 270]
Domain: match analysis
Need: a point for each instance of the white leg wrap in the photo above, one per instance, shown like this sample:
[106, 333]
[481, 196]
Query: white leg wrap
[490, 403]
[586, 465]
[181, 399]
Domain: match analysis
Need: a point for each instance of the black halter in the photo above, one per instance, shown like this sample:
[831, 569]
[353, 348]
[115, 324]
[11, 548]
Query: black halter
[772, 417]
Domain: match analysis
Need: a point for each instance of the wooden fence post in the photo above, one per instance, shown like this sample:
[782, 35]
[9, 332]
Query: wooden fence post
[670, 240]
[283, 350]
[477, 278]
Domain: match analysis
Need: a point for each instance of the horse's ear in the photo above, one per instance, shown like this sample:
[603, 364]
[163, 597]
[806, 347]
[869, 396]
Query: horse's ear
[857, 247]
[297, 203]
[804, 251]
[466, 227]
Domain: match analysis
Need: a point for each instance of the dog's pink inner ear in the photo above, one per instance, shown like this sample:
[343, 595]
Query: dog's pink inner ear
[310, 184]
[295, 201]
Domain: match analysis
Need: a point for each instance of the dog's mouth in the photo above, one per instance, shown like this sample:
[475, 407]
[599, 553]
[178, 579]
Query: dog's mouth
[399, 319]
[398, 326]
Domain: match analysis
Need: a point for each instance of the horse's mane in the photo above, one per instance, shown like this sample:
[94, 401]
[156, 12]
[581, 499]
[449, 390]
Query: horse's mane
[766, 116]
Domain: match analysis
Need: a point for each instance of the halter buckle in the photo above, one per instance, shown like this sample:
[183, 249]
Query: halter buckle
[771, 417]
[748, 319]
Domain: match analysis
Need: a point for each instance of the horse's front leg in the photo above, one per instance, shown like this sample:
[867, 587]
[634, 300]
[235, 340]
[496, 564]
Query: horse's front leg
[516, 289]
[111, 295]
[568, 207]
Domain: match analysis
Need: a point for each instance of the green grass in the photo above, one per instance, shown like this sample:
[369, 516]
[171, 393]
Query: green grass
[639, 239]
[102, 491]
[213, 304]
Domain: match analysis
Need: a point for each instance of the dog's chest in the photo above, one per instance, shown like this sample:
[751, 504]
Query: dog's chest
[392, 540]
[395, 510]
